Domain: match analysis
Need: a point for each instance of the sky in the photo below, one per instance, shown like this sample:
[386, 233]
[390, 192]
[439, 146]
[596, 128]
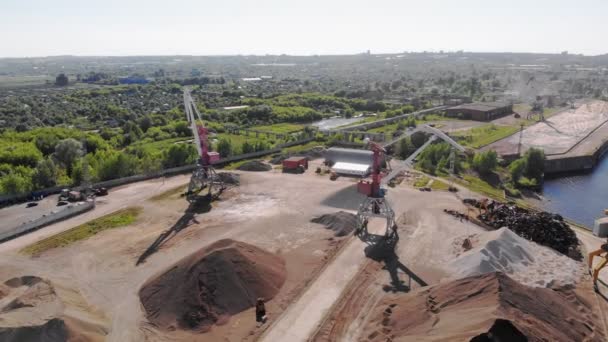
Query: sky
[32, 28]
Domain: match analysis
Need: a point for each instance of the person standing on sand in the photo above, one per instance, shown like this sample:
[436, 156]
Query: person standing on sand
[260, 311]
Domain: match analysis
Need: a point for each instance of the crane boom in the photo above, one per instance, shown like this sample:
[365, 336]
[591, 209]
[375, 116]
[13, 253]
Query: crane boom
[199, 131]
[204, 176]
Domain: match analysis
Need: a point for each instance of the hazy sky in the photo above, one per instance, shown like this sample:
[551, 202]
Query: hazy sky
[203, 27]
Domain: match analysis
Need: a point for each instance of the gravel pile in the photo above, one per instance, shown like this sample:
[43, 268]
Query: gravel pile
[255, 165]
[544, 228]
[342, 223]
[229, 178]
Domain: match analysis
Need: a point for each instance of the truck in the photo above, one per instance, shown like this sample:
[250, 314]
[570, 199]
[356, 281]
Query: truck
[295, 164]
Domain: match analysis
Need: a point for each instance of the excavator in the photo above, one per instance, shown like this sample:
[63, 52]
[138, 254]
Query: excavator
[601, 253]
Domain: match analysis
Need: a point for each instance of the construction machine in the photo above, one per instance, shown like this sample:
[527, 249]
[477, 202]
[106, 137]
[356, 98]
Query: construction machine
[601, 253]
[375, 204]
[204, 175]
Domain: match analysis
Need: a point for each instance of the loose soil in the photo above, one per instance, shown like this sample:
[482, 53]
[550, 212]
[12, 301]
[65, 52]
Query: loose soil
[32, 310]
[491, 303]
[209, 286]
[341, 222]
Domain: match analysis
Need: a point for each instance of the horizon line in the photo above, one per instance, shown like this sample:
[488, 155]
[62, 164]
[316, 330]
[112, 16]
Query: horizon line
[306, 55]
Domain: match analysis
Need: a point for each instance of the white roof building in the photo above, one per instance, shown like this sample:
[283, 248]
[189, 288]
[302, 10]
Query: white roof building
[351, 169]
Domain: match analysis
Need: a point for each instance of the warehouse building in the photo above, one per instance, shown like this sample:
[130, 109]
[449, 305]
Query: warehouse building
[348, 161]
[480, 111]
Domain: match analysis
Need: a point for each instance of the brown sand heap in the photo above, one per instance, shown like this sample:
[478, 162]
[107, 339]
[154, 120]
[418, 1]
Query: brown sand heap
[212, 284]
[255, 165]
[341, 222]
[489, 307]
[31, 310]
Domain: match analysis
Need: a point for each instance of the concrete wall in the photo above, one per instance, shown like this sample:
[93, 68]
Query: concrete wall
[557, 164]
[27, 227]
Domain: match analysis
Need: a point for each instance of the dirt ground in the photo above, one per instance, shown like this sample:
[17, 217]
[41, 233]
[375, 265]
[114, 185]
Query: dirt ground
[331, 284]
[270, 210]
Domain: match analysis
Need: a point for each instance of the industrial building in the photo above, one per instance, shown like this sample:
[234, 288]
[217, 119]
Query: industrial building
[348, 161]
[480, 111]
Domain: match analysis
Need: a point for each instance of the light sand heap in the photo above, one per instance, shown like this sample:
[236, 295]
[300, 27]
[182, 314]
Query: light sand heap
[525, 261]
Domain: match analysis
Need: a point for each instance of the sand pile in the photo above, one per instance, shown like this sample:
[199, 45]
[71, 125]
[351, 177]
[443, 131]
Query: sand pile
[468, 309]
[341, 222]
[525, 261]
[212, 284]
[255, 165]
[31, 310]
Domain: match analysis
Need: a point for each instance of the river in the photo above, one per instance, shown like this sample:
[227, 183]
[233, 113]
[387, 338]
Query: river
[581, 198]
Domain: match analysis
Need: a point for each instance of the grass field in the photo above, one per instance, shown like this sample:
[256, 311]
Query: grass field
[439, 185]
[303, 147]
[481, 136]
[282, 128]
[478, 185]
[421, 182]
[117, 219]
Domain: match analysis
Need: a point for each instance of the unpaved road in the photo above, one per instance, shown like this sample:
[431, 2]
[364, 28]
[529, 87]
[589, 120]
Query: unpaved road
[301, 319]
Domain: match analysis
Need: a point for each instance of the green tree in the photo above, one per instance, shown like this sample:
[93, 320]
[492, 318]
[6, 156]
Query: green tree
[418, 139]
[182, 128]
[405, 148]
[517, 169]
[15, 184]
[535, 163]
[61, 80]
[145, 123]
[179, 155]
[247, 147]
[45, 174]
[46, 143]
[67, 151]
[224, 148]
[485, 162]
[116, 165]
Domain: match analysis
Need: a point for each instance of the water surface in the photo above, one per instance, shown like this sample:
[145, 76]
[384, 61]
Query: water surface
[581, 198]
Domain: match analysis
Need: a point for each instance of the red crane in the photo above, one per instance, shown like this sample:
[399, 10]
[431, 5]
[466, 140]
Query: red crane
[375, 205]
[204, 175]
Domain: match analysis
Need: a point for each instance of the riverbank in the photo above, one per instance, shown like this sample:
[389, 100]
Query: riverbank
[585, 155]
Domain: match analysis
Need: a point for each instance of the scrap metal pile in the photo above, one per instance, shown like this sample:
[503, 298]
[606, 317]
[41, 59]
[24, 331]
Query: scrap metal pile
[544, 228]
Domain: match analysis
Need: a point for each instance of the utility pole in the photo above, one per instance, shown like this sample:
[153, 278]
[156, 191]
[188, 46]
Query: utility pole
[521, 135]
[452, 165]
